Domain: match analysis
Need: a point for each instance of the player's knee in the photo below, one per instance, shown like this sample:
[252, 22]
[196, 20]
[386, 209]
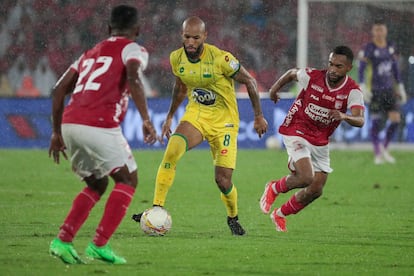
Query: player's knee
[306, 179]
[220, 179]
[124, 176]
[175, 149]
[97, 185]
[316, 193]
[171, 155]
[223, 182]
[313, 193]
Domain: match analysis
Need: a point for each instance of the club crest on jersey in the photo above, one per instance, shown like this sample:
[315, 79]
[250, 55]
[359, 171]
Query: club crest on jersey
[338, 104]
[204, 96]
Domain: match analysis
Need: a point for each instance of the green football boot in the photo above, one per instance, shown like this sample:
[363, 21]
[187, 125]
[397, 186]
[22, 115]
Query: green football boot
[65, 251]
[103, 253]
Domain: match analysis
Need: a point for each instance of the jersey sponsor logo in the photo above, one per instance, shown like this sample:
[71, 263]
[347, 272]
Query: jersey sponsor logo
[341, 96]
[292, 111]
[223, 151]
[314, 97]
[327, 97]
[204, 96]
[384, 68]
[318, 113]
[317, 87]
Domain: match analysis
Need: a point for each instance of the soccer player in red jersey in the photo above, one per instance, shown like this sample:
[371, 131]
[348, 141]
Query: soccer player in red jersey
[100, 83]
[320, 107]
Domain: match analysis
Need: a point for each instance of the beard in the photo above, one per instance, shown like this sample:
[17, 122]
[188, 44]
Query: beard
[194, 55]
[335, 79]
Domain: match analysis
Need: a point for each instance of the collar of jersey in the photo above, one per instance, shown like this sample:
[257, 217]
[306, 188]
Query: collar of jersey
[199, 59]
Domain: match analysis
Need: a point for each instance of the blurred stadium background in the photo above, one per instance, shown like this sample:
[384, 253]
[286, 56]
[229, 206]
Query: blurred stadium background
[40, 38]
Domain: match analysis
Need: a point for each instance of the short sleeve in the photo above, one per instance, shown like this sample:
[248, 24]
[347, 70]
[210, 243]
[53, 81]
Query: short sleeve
[75, 65]
[229, 64]
[133, 51]
[303, 77]
[355, 99]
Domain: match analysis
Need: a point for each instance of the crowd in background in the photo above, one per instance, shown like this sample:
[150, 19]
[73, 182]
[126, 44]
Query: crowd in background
[39, 39]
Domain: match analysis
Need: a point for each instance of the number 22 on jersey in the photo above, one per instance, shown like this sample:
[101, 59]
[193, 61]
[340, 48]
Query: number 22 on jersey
[101, 65]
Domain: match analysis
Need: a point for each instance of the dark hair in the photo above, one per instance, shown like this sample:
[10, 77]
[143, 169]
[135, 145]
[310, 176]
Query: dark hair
[123, 17]
[379, 21]
[344, 50]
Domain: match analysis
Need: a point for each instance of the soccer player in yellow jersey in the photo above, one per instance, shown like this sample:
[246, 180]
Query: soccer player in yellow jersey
[205, 75]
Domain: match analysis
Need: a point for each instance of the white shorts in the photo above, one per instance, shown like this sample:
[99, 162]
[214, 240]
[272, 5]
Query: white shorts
[298, 148]
[97, 151]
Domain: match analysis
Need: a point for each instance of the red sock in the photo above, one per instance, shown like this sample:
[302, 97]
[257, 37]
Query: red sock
[81, 207]
[292, 206]
[280, 186]
[115, 210]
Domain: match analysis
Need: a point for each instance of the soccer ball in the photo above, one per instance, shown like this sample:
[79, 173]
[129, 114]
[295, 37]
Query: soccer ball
[272, 143]
[155, 221]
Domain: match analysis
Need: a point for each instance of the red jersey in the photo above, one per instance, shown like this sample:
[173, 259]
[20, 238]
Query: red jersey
[100, 97]
[308, 117]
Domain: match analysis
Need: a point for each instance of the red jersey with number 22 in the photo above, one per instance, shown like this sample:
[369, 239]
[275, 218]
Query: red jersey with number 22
[308, 117]
[100, 97]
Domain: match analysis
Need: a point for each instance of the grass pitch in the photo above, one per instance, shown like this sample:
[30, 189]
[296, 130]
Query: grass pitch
[362, 225]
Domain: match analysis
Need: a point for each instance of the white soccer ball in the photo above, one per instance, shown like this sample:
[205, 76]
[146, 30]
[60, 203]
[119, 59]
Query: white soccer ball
[155, 221]
[272, 143]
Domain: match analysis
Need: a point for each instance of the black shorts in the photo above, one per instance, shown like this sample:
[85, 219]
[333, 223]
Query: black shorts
[383, 101]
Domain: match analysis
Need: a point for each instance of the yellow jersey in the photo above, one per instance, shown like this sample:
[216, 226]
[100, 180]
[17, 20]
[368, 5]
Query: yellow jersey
[210, 88]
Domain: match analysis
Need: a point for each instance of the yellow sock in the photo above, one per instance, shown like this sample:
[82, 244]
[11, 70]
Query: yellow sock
[230, 201]
[177, 146]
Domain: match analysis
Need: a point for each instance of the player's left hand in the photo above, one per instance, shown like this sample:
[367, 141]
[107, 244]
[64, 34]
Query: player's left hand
[260, 125]
[166, 129]
[274, 95]
[56, 147]
[336, 115]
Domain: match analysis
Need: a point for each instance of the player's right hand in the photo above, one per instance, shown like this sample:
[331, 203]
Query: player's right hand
[56, 147]
[260, 125]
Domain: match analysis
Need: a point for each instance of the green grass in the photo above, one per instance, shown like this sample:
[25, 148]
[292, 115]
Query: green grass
[362, 225]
